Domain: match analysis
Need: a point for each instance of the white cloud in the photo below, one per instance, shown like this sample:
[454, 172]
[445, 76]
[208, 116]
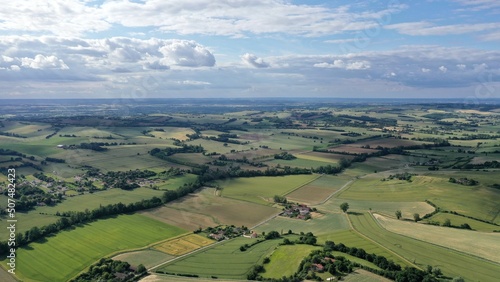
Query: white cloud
[239, 17]
[340, 64]
[187, 54]
[43, 62]
[426, 28]
[479, 5]
[461, 66]
[424, 70]
[342, 41]
[193, 82]
[57, 17]
[443, 69]
[254, 61]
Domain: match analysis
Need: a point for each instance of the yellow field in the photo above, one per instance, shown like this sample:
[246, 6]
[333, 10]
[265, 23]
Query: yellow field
[183, 245]
[480, 244]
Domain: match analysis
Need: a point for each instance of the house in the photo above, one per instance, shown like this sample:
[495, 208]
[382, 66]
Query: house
[216, 236]
[318, 267]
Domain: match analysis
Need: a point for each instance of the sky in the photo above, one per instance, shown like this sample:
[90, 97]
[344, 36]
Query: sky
[139, 49]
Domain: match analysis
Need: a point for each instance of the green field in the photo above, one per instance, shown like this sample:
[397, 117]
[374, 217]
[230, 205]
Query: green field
[318, 190]
[62, 256]
[387, 208]
[483, 245]
[451, 262]
[327, 223]
[457, 220]
[148, 258]
[477, 201]
[364, 276]
[286, 259]
[261, 190]
[204, 208]
[299, 162]
[351, 238]
[224, 260]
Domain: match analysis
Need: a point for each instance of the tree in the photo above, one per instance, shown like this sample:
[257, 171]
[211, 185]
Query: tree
[398, 214]
[344, 206]
[141, 268]
[458, 279]
[416, 217]
[447, 222]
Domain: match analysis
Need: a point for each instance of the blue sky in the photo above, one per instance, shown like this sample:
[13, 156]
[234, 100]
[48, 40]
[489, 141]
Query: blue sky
[240, 48]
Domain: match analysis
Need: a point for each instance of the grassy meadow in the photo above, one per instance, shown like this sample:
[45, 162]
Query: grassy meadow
[224, 260]
[62, 256]
[261, 190]
[451, 262]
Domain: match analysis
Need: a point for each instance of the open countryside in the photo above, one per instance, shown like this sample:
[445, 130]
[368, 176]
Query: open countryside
[284, 193]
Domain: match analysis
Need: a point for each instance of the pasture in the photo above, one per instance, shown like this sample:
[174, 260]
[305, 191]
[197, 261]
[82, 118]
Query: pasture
[224, 260]
[387, 208]
[361, 275]
[62, 256]
[220, 210]
[351, 238]
[261, 190]
[182, 245]
[484, 245]
[317, 190]
[182, 218]
[459, 220]
[298, 162]
[285, 260]
[451, 262]
[477, 201]
[322, 157]
[148, 257]
[325, 224]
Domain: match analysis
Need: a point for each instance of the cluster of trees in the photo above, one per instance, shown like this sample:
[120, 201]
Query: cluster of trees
[94, 146]
[43, 177]
[244, 159]
[280, 199]
[105, 270]
[11, 134]
[124, 179]
[9, 152]
[28, 196]
[485, 165]
[54, 160]
[54, 133]
[185, 148]
[284, 156]
[400, 176]
[464, 181]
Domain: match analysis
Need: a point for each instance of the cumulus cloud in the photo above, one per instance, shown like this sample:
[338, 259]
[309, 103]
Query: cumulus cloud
[461, 66]
[187, 54]
[56, 17]
[425, 70]
[43, 62]
[443, 69]
[340, 64]
[96, 57]
[254, 61]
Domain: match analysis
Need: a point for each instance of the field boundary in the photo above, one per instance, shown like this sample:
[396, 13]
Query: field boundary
[345, 186]
[377, 243]
[434, 244]
[304, 184]
[188, 254]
